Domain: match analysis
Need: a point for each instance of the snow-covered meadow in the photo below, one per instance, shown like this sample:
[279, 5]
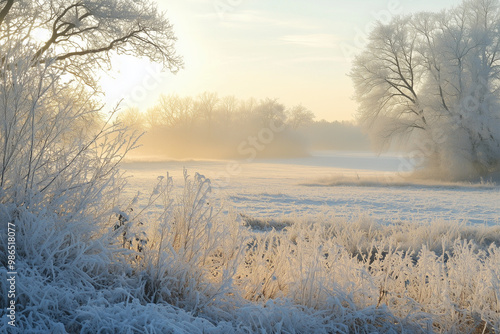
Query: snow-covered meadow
[342, 184]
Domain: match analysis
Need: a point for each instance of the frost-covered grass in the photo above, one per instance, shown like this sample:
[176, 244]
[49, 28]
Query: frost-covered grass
[193, 266]
[401, 180]
[442, 277]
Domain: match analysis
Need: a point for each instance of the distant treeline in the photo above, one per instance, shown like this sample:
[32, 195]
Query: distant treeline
[209, 126]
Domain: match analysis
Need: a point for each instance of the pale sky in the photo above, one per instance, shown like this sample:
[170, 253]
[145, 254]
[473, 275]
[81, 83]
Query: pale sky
[295, 50]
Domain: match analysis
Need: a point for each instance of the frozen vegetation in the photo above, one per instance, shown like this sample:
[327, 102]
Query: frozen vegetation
[94, 252]
[180, 262]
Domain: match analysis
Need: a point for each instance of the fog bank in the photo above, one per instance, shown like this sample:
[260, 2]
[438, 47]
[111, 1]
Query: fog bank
[210, 127]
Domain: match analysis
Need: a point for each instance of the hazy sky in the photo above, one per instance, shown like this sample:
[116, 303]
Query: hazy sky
[295, 50]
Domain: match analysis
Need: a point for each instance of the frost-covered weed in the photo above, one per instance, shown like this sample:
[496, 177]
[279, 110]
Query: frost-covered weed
[193, 249]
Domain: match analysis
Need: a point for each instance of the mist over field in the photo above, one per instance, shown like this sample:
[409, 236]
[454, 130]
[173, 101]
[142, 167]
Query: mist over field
[213, 127]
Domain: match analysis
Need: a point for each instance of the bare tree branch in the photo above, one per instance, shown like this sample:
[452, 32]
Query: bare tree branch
[5, 10]
[109, 47]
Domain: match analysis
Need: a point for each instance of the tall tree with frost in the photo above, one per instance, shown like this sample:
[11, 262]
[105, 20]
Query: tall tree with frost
[434, 78]
[55, 150]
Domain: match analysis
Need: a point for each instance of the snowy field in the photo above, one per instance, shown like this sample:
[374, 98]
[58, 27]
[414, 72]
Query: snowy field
[333, 183]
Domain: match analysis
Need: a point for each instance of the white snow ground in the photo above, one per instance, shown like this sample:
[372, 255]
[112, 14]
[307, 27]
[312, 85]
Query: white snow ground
[343, 184]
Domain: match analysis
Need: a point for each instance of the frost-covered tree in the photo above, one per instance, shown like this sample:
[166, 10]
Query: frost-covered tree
[433, 78]
[59, 153]
[299, 116]
[174, 111]
[227, 109]
[82, 35]
[270, 110]
[56, 146]
[132, 118]
[206, 106]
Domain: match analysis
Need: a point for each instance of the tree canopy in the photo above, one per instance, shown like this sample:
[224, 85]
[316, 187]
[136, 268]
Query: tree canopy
[434, 79]
[82, 35]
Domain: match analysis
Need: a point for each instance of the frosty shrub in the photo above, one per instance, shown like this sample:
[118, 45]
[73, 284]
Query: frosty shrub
[58, 154]
[59, 181]
[191, 257]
